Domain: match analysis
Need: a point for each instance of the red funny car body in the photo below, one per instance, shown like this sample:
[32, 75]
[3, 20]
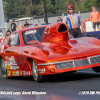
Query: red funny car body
[45, 50]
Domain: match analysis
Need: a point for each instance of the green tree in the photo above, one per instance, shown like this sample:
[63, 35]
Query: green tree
[89, 3]
[12, 8]
[5, 9]
[23, 8]
[49, 6]
[58, 7]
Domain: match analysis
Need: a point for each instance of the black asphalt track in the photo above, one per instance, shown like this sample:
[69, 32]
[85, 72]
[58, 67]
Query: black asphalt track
[57, 87]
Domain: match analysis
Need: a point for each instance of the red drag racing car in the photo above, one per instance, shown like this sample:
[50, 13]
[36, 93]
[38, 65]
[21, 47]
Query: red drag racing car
[44, 50]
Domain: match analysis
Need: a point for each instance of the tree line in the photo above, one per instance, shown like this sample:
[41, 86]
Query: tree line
[28, 8]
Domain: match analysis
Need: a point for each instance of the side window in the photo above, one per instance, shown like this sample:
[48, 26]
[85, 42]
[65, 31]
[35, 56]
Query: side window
[14, 40]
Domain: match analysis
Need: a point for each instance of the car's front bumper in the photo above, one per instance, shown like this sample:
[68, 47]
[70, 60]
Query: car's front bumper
[66, 66]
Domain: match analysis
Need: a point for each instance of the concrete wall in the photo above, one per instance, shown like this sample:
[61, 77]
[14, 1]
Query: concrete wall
[85, 15]
[89, 27]
[52, 18]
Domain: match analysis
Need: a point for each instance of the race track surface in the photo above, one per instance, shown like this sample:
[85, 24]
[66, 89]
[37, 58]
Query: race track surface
[57, 87]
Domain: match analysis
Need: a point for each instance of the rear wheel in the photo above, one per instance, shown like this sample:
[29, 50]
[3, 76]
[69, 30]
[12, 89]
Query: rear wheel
[36, 76]
[3, 68]
[96, 69]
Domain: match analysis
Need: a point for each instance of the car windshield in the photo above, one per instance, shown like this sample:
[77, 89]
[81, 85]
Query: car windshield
[33, 36]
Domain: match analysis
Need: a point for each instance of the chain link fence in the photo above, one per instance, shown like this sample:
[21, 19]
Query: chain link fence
[40, 19]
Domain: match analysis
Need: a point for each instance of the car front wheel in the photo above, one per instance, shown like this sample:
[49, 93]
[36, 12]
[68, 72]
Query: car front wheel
[36, 76]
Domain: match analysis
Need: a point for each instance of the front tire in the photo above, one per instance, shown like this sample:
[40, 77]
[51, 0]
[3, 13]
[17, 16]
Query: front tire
[96, 69]
[36, 76]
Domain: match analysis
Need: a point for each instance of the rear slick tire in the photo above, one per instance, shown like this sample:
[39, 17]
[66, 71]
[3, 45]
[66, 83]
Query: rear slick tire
[3, 68]
[96, 69]
[36, 76]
